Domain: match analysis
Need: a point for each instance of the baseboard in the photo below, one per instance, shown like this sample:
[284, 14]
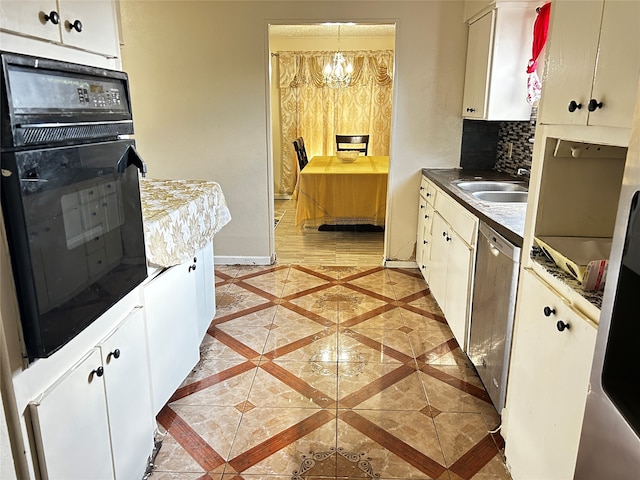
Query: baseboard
[400, 264]
[224, 260]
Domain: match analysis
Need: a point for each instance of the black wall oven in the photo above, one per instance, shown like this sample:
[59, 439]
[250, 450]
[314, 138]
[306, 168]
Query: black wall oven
[70, 195]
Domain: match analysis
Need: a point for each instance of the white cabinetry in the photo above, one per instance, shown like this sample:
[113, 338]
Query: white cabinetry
[59, 22]
[593, 63]
[474, 7]
[499, 47]
[172, 330]
[425, 219]
[126, 375]
[98, 416]
[205, 290]
[454, 233]
[550, 367]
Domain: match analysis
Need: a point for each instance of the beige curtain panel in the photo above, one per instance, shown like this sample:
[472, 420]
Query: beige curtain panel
[310, 109]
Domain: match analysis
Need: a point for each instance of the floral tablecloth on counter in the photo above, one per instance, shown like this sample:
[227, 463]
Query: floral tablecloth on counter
[180, 218]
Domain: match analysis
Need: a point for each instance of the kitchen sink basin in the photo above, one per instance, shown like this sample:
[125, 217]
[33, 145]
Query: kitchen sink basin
[492, 186]
[502, 197]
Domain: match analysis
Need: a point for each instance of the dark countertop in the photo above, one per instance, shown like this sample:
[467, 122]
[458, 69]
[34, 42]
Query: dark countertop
[505, 218]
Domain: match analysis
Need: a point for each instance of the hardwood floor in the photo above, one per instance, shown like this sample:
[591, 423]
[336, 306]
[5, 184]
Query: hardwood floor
[308, 246]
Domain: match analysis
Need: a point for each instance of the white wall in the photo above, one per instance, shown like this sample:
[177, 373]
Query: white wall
[215, 125]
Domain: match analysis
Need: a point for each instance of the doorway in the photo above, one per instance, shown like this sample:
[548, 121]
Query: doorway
[296, 244]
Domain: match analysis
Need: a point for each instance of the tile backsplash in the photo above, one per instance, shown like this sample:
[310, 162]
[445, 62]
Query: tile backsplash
[485, 144]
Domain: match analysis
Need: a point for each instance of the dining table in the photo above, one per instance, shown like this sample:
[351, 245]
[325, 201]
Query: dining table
[333, 192]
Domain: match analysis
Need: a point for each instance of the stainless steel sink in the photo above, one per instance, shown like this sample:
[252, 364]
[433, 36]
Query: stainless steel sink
[502, 197]
[492, 186]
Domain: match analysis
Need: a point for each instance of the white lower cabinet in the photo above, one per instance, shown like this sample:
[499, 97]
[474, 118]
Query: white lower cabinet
[451, 275]
[447, 236]
[205, 290]
[425, 219]
[551, 357]
[96, 420]
[172, 329]
[126, 376]
[445, 253]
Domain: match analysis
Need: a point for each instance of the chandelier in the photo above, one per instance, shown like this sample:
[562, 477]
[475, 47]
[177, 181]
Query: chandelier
[337, 74]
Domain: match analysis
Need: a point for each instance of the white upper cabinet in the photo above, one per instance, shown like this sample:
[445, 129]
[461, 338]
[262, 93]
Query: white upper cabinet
[499, 48]
[37, 18]
[593, 63]
[88, 25]
[474, 7]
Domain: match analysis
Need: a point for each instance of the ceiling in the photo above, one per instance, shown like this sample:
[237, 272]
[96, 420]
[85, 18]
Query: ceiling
[331, 30]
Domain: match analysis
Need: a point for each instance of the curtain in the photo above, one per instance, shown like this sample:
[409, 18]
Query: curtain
[311, 110]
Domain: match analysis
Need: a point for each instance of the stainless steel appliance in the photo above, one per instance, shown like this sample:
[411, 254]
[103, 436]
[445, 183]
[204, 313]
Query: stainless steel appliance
[492, 311]
[610, 440]
[70, 200]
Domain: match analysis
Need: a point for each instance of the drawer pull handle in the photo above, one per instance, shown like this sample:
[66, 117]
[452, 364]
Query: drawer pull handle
[53, 17]
[548, 311]
[98, 372]
[76, 25]
[593, 105]
[428, 194]
[114, 354]
[573, 106]
[561, 326]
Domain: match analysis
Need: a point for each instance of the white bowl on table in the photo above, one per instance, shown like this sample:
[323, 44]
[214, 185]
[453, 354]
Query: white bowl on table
[347, 156]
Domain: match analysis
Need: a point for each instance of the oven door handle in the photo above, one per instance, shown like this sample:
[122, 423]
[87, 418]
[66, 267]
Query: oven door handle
[131, 157]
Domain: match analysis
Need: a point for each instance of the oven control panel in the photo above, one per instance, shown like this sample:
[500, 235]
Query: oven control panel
[65, 92]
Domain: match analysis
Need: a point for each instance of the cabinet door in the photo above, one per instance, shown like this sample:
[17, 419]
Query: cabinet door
[458, 286]
[126, 375]
[172, 332]
[28, 18]
[474, 7]
[571, 57]
[423, 241]
[71, 425]
[99, 28]
[479, 48]
[439, 253]
[205, 289]
[547, 384]
[618, 66]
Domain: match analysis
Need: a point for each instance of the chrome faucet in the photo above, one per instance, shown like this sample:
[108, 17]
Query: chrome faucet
[524, 172]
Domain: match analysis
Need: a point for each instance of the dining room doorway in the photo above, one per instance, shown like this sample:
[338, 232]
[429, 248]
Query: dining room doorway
[302, 104]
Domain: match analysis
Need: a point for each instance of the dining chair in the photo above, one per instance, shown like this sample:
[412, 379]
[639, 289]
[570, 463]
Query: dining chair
[352, 142]
[301, 152]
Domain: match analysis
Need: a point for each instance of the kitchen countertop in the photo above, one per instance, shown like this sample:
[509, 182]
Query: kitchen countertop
[505, 218]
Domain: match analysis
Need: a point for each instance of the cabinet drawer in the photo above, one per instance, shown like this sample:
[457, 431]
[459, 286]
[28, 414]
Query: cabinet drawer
[463, 222]
[428, 190]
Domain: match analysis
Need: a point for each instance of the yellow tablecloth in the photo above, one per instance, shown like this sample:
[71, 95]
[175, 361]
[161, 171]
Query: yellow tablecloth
[332, 192]
[180, 217]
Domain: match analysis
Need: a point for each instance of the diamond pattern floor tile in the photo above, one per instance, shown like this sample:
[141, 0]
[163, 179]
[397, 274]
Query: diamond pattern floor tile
[328, 372]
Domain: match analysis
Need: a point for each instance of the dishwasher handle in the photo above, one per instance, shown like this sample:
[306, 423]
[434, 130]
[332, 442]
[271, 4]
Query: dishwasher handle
[498, 244]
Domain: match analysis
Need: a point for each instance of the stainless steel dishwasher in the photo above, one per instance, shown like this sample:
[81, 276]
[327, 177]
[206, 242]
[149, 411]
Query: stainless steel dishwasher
[492, 311]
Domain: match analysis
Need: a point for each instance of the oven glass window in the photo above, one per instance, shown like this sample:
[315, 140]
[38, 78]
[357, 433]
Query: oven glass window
[74, 225]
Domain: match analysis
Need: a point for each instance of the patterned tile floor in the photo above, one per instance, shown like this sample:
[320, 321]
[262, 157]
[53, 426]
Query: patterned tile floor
[329, 373]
